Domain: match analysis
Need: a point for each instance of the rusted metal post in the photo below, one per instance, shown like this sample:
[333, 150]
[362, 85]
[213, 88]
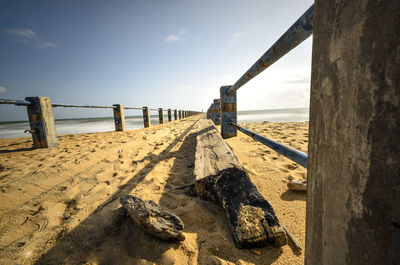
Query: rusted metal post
[228, 113]
[146, 117]
[41, 121]
[161, 115]
[175, 114]
[217, 110]
[169, 115]
[119, 117]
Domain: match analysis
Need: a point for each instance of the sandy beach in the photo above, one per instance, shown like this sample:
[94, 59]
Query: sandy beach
[61, 205]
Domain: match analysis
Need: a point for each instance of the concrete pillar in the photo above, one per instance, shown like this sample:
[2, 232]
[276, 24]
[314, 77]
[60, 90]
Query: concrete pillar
[217, 110]
[41, 121]
[228, 113]
[175, 114]
[161, 115]
[353, 196]
[146, 117]
[180, 114]
[119, 117]
[169, 115]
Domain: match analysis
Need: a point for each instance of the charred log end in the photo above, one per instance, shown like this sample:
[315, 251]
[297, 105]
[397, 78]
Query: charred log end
[253, 230]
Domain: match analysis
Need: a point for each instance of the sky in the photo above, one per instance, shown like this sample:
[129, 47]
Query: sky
[170, 54]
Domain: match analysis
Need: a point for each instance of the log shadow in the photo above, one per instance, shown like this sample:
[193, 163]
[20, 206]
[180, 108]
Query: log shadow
[17, 150]
[206, 221]
[108, 235]
[290, 195]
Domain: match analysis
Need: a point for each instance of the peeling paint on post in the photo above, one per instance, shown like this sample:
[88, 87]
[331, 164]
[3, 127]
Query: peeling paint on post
[169, 115]
[175, 114]
[161, 115]
[217, 111]
[146, 117]
[41, 121]
[228, 113]
[119, 117]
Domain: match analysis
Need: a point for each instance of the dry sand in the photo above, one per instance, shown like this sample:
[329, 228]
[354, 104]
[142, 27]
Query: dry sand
[61, 205]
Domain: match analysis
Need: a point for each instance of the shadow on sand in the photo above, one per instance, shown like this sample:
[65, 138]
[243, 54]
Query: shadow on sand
[109, 236]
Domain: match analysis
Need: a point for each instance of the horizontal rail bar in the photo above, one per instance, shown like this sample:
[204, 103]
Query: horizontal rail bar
[291, 153]
[133, 108]
[82, 106]
[15, 102]
[296, 34]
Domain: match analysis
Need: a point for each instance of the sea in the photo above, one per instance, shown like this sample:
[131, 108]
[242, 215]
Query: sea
[11, 129]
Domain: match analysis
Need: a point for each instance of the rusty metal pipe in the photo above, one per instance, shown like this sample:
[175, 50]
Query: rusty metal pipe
[296, 34]
[291, 153]
[15, 102]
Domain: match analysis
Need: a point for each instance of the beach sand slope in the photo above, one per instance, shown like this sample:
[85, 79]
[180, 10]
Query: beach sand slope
[61, 205]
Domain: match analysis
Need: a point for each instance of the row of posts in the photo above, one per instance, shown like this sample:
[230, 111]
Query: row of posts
[43, 130]
[223, 112]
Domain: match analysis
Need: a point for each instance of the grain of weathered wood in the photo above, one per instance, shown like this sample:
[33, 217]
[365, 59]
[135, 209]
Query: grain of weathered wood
[221, 178]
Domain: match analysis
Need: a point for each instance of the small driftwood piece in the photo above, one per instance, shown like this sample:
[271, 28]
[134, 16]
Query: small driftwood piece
[298, 185]
[221, 178]
[152, 219]
[292, 238]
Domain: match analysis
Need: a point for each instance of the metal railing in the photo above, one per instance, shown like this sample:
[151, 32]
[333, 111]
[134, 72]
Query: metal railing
[42, 124]
[223, 111]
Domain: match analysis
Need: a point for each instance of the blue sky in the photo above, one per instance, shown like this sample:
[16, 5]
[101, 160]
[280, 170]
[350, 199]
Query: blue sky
[170, 54]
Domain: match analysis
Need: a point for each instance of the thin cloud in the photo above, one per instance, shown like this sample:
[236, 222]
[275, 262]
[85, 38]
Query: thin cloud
[30, 37]
[234, 37]
[176, 37]
[304, 80]
[172, 38]
[186, 88]
[3, 89]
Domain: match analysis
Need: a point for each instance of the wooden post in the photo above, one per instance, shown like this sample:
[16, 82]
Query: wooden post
[353, 182]
[213, 112]
[41, 121]
[175, 114]
[146, 117]
[119, 117]
[217, 112]
[180, 114]
[161, 115]
[228, 113]
[169, 115]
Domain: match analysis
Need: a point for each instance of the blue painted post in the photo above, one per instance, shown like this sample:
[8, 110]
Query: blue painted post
[41, 121]
[146, 117]
[175, 114]
[161, 115]
[217, 112]
[169, 115]
[228, 113]
[119, 117]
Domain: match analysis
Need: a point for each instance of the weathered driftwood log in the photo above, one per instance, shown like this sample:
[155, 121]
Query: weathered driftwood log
[221, 178]
[152, 219]
[298, 185]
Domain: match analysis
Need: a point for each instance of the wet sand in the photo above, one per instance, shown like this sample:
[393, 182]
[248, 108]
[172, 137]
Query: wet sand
[61, 205]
